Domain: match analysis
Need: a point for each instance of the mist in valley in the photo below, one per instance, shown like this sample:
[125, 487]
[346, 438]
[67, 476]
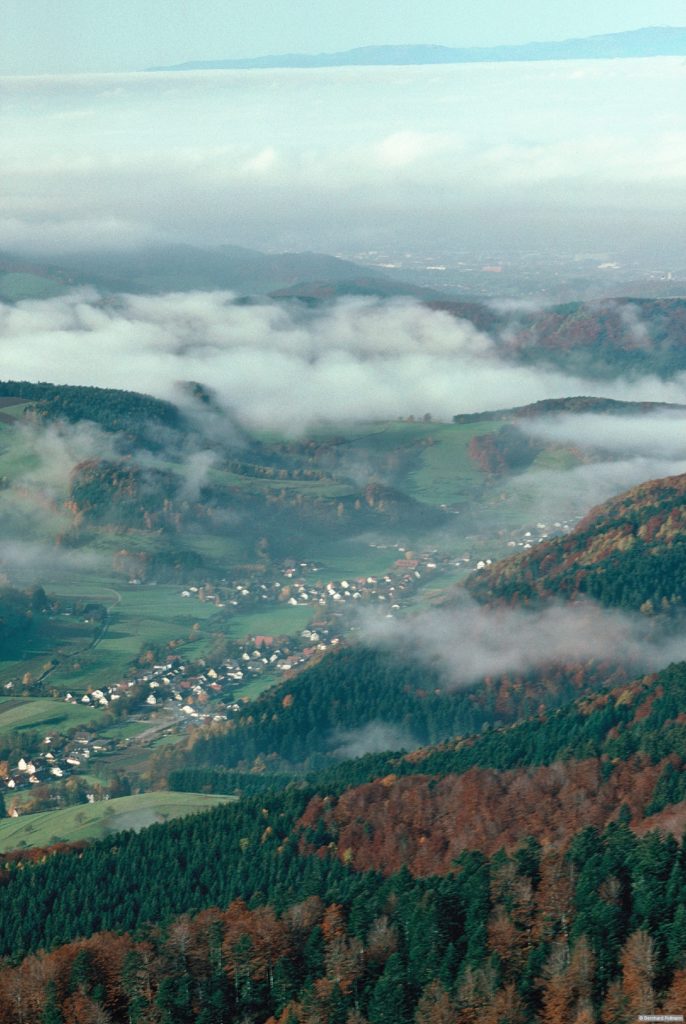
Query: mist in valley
[273, 366]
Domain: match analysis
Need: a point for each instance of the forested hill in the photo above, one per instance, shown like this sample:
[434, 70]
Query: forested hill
[573, 404]
[112, 409]
[629, 553]
[365, 699]
[547, 777]
[581, 923]
[601, 339]
[604, 338]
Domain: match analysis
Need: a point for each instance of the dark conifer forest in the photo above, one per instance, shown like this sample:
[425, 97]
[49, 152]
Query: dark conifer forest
[279, 905]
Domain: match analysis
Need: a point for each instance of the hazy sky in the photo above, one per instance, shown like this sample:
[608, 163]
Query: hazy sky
[568, 155]
[61, 36]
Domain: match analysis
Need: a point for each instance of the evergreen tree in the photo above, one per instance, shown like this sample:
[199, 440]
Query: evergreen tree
[51, 1011]
[173, 999]
[388, 1003]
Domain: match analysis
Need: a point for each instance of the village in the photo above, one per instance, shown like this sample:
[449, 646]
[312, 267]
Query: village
[198, 692]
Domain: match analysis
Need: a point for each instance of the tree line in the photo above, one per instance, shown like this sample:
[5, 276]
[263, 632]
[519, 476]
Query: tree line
[594, 933]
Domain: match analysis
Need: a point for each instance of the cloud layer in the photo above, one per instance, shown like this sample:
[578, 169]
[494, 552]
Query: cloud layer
[278, 366]
[372, 738]
[578, 153]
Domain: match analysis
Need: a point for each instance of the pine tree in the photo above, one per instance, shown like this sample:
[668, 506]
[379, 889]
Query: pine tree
[173, 999]
[51, 1011]
[388, 1003]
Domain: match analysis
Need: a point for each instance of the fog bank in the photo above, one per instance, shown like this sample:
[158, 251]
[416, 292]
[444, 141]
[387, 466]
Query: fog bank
[282, 366]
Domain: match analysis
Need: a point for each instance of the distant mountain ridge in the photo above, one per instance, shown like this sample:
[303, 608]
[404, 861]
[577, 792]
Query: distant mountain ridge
[162, 268]
[656, 41]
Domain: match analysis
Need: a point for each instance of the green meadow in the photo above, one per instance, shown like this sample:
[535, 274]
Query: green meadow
[94, 821]
[44, 713]
[429, 462]
[447, 474]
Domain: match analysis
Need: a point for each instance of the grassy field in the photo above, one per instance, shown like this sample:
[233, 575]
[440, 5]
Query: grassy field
[41, 712]
[325, 488]
[228, 549]
[31, 651]
[140, 616]
[341, 558]
[16, 457]
[133, 761]
[381, 436]
[447, 473]
[253, 689]
[126, 729]
[444, 472]
[94, 821]
[276, 620]
[16, 411]
[365, 440]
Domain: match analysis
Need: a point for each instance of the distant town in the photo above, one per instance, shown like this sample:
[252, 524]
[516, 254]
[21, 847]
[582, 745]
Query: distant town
[530, 274]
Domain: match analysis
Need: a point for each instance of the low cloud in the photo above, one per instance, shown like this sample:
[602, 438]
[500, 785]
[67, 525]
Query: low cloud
[660, 434]
[54, 449]
[32, 501]
[29, 562]
[196, 472]
[372, 738]
[472, 641]
[625, 451]
[571, 493]
[285, 367]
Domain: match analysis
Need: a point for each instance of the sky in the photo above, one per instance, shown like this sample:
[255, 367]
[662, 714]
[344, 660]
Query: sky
[569, 156]
[69, 36]
[553, 156]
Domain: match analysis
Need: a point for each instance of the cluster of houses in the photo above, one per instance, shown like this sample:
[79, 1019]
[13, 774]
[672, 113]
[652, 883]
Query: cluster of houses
[204, 693]
[260, 655]
[198, 693]
[256, 587]
[542, 531]
[56, 758]
[302, 584]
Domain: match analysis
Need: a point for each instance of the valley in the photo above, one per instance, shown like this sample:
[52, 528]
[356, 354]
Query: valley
[113, 654]
[333, 705]
[332, 699]
[119, 641]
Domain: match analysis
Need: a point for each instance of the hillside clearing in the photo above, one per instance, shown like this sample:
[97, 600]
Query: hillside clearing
[94, 821]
